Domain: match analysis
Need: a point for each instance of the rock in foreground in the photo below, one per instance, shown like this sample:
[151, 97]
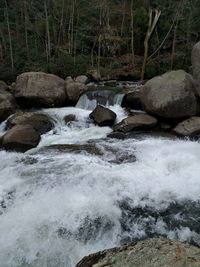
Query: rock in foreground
[148, 253]
[137, 122]
[40, 122]
[38, 89]
[189, 127]
[20, 138]
[103, 116]
[170, 95]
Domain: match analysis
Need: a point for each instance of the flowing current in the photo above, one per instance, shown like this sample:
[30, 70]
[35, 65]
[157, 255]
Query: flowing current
[57, 206]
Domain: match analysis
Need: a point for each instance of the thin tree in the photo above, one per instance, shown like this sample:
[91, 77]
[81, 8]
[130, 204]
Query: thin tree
[151, 26]
[9, 35]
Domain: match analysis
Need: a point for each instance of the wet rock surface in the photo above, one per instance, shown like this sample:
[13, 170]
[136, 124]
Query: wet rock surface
[189, 127]
[103, 116]
[74, 148]
[40, 122]
[137, 122]
[20, 138]
[155, 252]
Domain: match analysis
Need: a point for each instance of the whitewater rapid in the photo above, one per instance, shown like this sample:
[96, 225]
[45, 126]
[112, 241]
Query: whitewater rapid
[57, 207]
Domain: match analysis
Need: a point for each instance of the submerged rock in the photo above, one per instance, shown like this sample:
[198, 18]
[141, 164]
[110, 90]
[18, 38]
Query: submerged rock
[137, 122]
[103, 116]
[69, 118]
[7, 105]
[3, 86]
[40, 122]
[154, 252]
[38, 89]
[170, 96]
[75, 148]
[20, 138]
[189, 127]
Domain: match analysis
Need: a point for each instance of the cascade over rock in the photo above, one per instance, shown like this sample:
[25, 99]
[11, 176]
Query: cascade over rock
[40, 89]
[170, 95]
[7, 105]
[103, 116]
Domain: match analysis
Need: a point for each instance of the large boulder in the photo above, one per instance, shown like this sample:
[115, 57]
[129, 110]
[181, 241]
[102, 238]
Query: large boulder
[196, 67]
[20, 138]
[38, 89]
[132, 100]
[7, 105]
[137, 122]
[189, 127]
[74, 88]
[103, 116]
[42, 123]
[154, 252]
[170, 95]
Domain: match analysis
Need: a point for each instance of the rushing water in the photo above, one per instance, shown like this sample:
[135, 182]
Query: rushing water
[58, 206]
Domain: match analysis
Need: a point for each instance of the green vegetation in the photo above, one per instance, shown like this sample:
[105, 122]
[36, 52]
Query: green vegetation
[71, 37]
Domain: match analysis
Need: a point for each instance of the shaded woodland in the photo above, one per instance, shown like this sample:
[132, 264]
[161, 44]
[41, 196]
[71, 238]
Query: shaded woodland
[118, 39]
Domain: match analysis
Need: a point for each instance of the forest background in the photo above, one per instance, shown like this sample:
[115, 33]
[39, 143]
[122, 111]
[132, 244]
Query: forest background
[73, 37]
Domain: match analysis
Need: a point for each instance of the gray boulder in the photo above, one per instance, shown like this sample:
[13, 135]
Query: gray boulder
[20, 138]
[38, 89]
[73, 90]
[196, 67]
[40, 122]
[137, 122]
[7, 105]
[103, 116]
[132, 100]
[189, 127]
[170, 95]
[156, 252]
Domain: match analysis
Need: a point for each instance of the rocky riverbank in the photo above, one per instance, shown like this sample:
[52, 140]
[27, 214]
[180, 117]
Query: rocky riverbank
[148, 253]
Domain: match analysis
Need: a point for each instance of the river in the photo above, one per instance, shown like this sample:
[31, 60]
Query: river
[57, 206]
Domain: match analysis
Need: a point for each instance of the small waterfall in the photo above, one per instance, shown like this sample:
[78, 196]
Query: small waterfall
[90, 99]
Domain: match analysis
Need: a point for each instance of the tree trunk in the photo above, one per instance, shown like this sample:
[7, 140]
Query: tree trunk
[9, 35]
[151, 27]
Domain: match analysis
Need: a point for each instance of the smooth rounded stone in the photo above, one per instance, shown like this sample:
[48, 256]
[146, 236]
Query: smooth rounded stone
[7, 105]
[103, 116]
[170, 95]
[42, 123]
[132, 100]
[20, 138]
[155, 252]
[189, 127]
[72, 148]
[137, 122]
[69, 118]
[39, 89]
[81, 79]
[73, 90]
